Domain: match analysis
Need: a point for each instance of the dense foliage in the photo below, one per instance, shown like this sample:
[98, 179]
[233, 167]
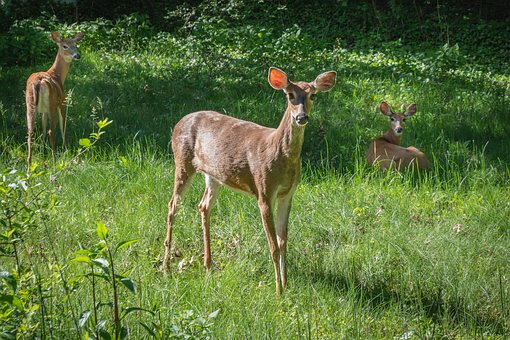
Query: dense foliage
[481, 26]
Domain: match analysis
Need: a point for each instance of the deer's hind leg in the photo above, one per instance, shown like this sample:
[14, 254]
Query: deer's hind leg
[212, 188]
[266, 212]
[52, 132]
[31, 113]
[54, 116]
[182, 178]
[62, 122]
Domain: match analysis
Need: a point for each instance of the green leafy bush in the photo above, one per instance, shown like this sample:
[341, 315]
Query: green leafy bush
[28, 42]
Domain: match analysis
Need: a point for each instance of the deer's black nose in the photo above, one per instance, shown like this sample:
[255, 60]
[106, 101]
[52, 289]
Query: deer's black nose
[399, 130]
[76, 56]
[302, 119]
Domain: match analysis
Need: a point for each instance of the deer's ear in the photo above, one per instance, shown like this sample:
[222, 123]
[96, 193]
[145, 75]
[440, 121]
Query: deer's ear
[55, 37]
[325, 81]
[411, 110]
[277, 78]
[78, 36]
[385, 108]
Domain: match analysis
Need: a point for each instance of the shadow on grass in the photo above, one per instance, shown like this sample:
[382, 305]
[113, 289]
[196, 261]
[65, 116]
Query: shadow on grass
[434, 304]
[145, 105]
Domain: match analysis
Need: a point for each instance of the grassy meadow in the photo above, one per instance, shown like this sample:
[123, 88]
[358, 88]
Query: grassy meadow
[371, 253]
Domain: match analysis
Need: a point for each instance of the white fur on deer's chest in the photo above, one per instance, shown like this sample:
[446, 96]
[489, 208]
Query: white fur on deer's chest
[288, 184]
[43, 101]
[233, 184]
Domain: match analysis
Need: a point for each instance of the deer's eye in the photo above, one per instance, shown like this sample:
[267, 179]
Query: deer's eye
[291, 96]
[65, 47]
[403, 119]
[392, 119]
[313, 96]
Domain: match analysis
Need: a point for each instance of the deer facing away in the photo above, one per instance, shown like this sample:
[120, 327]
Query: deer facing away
[261, 161]
[45, 93]
[386, 151]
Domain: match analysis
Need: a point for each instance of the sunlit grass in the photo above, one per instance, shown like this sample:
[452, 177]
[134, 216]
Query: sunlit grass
[371, 253]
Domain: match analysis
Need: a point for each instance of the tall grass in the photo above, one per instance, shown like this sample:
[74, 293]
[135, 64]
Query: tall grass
[371, 253]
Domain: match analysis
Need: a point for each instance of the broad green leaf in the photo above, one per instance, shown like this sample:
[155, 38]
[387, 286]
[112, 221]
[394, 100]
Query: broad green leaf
[126, 273]
[85, 142]
[104, 123]
[9, 279]
[103, 264]
[214, 314]
[12, 300]
[123, 332]
[83, 318]
[126, 281]
[33, 166]
[83, 259]
[82, 251]
[100, 306]
[102, 231]
[130, 310]
[104, 334]
[123, 244]
[150, 331]
[9, 233]
[72, 280]
[98, 247]
[54, 201]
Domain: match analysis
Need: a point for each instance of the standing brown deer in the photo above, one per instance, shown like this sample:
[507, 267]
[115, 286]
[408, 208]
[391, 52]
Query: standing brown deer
[386, 151]
[45, 93]
[261, 161]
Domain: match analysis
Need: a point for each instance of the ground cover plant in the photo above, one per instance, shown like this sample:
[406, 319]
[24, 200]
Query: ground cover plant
[371, 254]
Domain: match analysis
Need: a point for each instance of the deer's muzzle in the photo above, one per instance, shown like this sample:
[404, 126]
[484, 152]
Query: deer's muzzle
[302, 119]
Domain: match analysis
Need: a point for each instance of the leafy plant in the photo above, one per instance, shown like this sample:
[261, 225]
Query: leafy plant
[22, 202]
[185, 325]
[25, 203]
[88, 143]
[100, 260]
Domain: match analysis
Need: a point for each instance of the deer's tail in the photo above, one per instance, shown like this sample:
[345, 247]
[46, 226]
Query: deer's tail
[31, 99]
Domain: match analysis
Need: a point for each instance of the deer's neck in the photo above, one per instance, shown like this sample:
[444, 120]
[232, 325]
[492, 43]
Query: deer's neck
[288, 138]
[391, 137]
[60, 68]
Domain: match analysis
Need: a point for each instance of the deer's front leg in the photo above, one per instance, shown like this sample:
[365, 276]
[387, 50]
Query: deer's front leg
[266, 212]
[282, 221]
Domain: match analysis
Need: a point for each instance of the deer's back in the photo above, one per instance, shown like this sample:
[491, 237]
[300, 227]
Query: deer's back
[385, 155]
[229, 149]
[42, 89]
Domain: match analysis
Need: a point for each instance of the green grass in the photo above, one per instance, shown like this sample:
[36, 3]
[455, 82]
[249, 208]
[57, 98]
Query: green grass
[372, 254]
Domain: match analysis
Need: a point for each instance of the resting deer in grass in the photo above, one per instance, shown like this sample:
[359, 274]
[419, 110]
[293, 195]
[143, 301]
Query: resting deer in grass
[386, 151]
[45, 93]
[260, 161]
